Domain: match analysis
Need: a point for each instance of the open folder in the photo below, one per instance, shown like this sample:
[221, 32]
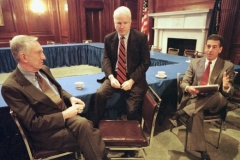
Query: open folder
[207, 88]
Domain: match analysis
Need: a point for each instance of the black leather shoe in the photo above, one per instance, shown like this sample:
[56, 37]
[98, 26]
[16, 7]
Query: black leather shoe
[125, 155]
[175, 117]
[178, 114]
[205, 157]
[129, 154]
[105, 157]
[132, 153]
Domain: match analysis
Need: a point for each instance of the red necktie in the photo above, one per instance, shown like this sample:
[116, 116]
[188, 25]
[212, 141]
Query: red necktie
[205, 77]
[121, 71]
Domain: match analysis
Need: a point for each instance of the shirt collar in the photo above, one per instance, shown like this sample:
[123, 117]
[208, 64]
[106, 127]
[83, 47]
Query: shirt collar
[25, 72]
[125, 36]
[213, 62]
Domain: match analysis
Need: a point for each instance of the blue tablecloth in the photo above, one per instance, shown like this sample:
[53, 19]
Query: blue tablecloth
[7, 62]
[65, 55]
[158, 58]
[91, 84]
[59, 55]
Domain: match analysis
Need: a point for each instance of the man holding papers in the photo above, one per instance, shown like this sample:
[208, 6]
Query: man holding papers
[208, 70]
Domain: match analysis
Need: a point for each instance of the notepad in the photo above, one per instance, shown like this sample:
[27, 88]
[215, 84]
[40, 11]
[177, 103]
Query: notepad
[207, 88]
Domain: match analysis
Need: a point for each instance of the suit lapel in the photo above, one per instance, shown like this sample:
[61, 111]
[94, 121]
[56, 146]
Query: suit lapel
[200, 69]
[217, 69]
[34, 92]
[131, 44]
[114, 46]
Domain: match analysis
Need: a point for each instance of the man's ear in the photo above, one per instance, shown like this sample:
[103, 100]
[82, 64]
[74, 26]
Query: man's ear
[220, 50]
[22, 57]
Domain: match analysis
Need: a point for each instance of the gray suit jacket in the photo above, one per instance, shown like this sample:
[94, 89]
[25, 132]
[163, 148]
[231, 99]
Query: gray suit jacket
[38, 113]
[138, 56]
[195, 71]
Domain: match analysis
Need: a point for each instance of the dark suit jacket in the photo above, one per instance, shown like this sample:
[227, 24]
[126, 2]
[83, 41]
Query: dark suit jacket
[138, 55]
[195, 71]
[38, 113]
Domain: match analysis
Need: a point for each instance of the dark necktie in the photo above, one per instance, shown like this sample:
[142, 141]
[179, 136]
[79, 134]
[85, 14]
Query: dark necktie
[205, 77]
[46, 89]
[121, 71]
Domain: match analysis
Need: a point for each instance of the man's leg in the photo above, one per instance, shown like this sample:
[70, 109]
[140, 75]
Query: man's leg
[196, 138]
[88, 138]
[214, 103]
[100, 101]
[134, 99]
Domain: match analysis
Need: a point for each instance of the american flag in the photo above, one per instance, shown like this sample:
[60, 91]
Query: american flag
[215, 19]
[144, 27]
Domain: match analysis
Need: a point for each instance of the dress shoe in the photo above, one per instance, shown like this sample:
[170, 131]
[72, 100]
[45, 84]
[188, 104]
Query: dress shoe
[105, 157]
[178, 114]
[175, 117]
[132, 153]
[205, 157]
[129, 154]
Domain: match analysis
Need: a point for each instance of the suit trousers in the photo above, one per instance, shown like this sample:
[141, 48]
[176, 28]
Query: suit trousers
[80, 133]
[133, 97]
[194, 108]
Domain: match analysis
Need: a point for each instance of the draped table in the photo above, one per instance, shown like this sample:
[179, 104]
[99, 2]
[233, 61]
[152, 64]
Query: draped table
[59, 55]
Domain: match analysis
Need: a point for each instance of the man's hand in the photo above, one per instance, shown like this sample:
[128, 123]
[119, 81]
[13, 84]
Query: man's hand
[70, 112]
[114, 82]
[192, 90]
[225, 81]
[75, 100]
[73, 110]
[127, 85]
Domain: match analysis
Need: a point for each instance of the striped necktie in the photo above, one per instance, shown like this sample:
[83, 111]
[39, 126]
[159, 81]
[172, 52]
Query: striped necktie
[121, 71]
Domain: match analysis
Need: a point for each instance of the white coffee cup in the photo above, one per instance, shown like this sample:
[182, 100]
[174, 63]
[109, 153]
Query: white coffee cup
[161, 73]
[79, 107]
[79, 85]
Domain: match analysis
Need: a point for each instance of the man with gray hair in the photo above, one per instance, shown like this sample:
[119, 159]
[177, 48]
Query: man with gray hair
[47, 111]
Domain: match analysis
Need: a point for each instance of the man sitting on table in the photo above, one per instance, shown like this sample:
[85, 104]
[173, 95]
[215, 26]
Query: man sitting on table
[193, 104]
[125, 62]
[132, 80]
[49, 113]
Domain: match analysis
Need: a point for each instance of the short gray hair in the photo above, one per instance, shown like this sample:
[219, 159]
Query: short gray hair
[21, 43]
[122, 10]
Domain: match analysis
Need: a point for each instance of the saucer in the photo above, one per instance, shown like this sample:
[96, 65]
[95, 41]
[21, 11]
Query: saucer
[161, 76]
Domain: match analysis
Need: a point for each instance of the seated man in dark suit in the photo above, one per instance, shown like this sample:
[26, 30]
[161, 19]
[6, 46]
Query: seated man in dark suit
[210, 69]
[49, 113]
